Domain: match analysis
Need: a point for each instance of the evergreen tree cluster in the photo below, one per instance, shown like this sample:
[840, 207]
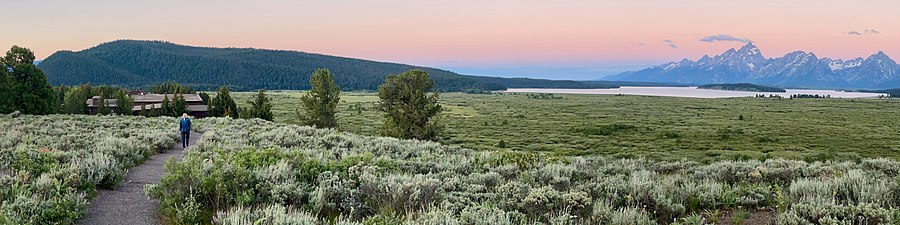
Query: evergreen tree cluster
[24, 87]
[171, 87]
[73, 100]
[138, 63]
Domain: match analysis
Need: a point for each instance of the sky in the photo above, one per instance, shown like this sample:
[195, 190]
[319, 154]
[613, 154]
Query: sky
[560, 39]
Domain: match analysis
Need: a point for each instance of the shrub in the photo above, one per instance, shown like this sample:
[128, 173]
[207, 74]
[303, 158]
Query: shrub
[326, 174]
[49, 164]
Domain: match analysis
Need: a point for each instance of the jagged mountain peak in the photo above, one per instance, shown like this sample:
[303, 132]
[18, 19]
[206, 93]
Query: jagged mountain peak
[879, 56]
[798, 68]
[749, 49]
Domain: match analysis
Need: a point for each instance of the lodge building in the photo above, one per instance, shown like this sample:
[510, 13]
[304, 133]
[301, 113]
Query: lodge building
[195, 106]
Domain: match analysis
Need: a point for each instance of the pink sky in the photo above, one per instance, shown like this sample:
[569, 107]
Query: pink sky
[474, 35]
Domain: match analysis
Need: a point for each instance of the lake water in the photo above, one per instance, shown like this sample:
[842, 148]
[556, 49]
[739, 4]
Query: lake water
[693, 92]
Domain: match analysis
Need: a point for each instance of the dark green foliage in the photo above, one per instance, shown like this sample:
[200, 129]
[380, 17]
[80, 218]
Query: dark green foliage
[243, 113]
[179, 105]
[139, 63]
[171, 87]
[75, 101]
[409, 110]
[205, 97]
[742, 87]
[542, 96]
[166, 108]
[34, 94]
[321, 101]
[223, 105]
[59, 97]
[604, 130]
[103, 109]
[124, 104]
[7, 93]
[893, 93]
[75, 98]
[261, 106]
[17, 56]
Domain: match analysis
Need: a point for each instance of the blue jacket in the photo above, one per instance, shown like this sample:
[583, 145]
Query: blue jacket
[185, 125]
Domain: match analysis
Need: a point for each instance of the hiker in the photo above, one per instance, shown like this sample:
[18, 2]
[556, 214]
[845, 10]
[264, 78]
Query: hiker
[185, 127]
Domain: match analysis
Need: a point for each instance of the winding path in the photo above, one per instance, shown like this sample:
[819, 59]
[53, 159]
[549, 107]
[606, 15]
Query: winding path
[128, 204]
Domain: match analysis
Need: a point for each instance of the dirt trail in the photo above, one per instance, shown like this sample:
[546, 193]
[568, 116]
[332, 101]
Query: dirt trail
[128, 204]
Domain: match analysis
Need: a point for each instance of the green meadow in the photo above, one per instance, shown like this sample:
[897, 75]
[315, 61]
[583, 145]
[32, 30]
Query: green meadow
[666, 128]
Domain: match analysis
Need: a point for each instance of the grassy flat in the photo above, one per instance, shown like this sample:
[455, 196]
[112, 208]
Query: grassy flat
[654, 127]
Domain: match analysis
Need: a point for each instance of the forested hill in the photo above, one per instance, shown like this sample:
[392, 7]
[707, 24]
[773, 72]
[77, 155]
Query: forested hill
[133, 63]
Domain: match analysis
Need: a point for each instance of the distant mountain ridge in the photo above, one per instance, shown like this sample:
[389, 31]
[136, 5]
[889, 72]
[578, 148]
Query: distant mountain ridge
[133, 63]
[795, 69]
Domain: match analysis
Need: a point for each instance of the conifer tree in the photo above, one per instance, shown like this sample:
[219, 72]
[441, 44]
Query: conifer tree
[124, 104]
[7, 93]
[166, 108]
[261, 106]
[103, 108]
[409, 110]
[223, 105]
[320, 103]
[179, 105]
[33, 94]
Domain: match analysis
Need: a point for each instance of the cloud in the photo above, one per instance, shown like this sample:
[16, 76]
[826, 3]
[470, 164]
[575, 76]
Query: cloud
[865, 32]
[670, 43]
[641, 44]
[723, 37]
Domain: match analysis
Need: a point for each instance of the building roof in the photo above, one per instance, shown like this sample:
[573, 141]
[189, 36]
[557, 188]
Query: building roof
[109, 102]
[154, 98]
[191, 108]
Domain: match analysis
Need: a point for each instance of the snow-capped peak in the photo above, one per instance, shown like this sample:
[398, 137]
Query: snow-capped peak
[840, 64]
[749, 49]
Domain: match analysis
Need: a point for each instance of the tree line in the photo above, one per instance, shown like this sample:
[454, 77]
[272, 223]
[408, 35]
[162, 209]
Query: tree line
[409, 101]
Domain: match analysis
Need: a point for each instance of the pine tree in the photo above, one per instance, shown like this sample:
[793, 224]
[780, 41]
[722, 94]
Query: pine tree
[223, 105]
[409, 110]
[7, 92]
[261, 106]
[33, 94]
[153, 112]
[60, 94]
[75, 101]
[321, 101]
[179, 105]
[243, 113]
[166, 108]
[103, 109]
[124, 104]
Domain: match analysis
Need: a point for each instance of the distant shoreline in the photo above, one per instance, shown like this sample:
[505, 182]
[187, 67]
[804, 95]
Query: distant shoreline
[694, 92]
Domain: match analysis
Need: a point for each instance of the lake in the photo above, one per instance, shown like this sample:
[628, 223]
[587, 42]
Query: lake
[693, 92]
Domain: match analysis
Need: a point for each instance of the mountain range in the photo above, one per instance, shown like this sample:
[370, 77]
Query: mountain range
[795, 69]
[136, 64]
